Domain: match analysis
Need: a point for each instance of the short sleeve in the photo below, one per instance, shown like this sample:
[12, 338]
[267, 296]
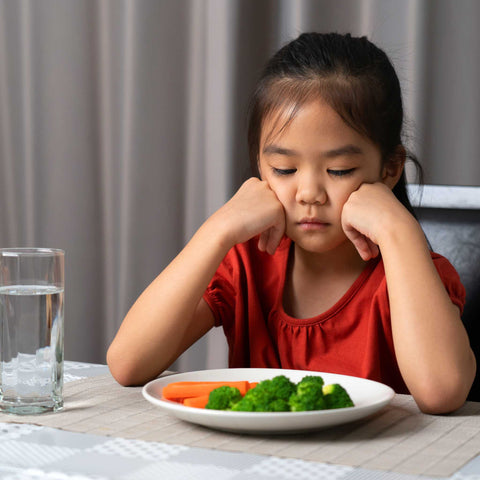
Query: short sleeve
[220, 293]
[451, 280]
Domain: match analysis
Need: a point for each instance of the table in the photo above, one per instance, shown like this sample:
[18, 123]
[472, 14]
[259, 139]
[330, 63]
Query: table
[110, 432]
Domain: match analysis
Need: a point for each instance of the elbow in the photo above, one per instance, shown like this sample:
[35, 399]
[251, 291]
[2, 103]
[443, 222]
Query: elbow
[442, 397]
[440, 403]
[130, 370]
[122, 370]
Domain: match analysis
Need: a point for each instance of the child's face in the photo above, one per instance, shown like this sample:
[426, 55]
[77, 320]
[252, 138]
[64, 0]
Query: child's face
[313, 165]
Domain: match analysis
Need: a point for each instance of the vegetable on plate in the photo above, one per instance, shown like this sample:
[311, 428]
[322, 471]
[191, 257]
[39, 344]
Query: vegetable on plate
[278, 394]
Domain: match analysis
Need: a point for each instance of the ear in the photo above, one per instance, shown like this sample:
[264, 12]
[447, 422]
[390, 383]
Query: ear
[393, 168]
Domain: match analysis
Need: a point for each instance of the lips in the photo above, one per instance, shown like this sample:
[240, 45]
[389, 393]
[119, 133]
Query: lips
[312, 223]
[312, 220]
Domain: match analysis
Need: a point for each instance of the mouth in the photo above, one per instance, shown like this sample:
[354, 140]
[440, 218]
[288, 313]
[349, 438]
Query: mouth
[309, 224]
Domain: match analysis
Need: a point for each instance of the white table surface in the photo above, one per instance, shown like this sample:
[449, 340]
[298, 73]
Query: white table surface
[29, 452]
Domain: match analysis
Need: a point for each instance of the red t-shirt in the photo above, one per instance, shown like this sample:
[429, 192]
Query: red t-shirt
[354, 337]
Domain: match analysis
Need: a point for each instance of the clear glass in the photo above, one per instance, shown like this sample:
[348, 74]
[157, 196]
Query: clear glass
[31, 330]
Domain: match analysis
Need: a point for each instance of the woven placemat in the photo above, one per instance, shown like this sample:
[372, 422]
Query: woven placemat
[399, 438]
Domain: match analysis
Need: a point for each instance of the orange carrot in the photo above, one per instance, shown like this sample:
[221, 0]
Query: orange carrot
[201, 401]
[182, 390]
[197, 402]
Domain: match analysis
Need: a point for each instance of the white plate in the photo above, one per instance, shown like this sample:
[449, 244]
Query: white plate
[368, 397]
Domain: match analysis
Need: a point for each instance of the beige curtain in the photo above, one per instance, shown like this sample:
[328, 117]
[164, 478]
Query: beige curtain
[122, 126]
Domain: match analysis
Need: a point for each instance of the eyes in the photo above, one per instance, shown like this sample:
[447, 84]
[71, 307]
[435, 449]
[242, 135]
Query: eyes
[334, 173]
[283, 171]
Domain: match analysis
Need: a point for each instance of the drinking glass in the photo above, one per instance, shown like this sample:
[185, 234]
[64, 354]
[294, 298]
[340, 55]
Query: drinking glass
[31, 330]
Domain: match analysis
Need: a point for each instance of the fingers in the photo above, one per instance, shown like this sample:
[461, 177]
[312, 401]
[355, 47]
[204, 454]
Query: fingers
[252, 211]
[361, 221]
[270, 239]
[263, 240]
[366, 248]
[274, 238]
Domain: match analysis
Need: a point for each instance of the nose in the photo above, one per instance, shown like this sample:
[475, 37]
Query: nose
[310, 191]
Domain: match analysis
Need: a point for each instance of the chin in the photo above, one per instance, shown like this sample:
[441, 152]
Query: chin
[314, 244]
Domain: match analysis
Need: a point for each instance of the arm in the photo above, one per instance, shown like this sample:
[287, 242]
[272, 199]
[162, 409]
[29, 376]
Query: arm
[171, 314]
[431, 344]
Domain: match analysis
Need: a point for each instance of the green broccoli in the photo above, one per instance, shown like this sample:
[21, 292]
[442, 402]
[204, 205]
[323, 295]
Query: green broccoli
[279, 405]
[268, 396]
[336, 396]
[306, 382]
[246, 404]
[279, 394]
[223, 398]
[254, 401]
[282, 387]
[309, 395]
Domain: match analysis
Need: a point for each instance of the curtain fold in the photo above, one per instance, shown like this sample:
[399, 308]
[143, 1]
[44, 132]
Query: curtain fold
[123, 126]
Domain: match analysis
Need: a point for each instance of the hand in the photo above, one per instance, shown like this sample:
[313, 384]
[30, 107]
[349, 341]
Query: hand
[254, 210]
[369, 212]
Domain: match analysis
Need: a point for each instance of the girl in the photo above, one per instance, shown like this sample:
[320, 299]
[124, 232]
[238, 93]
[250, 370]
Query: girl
[318, 264]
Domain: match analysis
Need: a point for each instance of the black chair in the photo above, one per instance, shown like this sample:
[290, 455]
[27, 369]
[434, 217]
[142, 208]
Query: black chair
[450, 218]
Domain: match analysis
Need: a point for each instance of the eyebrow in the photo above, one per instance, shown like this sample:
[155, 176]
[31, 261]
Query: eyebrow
[273, 149]
[349, 149]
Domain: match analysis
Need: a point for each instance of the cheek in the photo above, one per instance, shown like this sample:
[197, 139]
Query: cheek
[284, 192]
[343, 194]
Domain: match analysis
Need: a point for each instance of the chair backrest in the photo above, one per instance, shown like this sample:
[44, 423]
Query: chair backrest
[450, 218]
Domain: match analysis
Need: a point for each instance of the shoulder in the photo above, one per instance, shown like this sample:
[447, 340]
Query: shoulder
[451, 279]
[442, 264]
[447, 271]
[448, 275]
[444, 268]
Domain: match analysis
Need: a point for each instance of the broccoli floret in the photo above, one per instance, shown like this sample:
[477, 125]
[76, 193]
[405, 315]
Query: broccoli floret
[282, 387]
[261, 403]
[279, 405]
[268, 396]
[309, 395]
[223, 398]
[255, 400]
[244, 405]
[336, 396]
[309, 380]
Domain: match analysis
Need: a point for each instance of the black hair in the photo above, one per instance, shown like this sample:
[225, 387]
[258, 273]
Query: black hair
[354, 77]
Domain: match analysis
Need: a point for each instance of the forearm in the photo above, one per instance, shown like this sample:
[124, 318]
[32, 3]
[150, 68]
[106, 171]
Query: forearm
[155, 328]
[431, 344]
[170, 315]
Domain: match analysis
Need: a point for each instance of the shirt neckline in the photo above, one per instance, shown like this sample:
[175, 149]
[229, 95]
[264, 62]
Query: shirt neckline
[334, 309]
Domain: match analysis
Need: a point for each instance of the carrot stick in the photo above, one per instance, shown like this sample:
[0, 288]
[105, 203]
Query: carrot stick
[181, 390]
[202, 400]
[197, 402]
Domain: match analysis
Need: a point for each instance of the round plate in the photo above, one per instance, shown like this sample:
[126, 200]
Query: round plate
[368, 397]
